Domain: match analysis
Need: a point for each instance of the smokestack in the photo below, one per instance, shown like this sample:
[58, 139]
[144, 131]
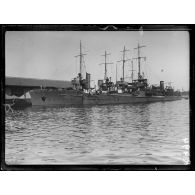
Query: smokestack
[88, 76]
[162, 85]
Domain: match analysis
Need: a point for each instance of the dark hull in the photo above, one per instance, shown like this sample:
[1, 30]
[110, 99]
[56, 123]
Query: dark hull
[124, 99]
[55, 97]
[64, 98]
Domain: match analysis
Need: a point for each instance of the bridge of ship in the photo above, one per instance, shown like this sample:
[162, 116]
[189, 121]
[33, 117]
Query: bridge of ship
[19, 86]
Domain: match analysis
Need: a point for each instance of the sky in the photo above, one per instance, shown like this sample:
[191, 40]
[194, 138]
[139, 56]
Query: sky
[51, 54]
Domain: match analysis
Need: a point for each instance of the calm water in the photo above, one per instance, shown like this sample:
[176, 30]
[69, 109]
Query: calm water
[152, 133]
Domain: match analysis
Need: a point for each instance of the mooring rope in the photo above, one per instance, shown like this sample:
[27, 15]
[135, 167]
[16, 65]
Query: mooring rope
[8, 107]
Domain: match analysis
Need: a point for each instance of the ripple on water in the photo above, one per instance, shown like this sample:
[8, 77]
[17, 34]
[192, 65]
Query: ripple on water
[156, 133]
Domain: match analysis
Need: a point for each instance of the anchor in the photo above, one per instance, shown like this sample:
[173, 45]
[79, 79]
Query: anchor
[43, 98]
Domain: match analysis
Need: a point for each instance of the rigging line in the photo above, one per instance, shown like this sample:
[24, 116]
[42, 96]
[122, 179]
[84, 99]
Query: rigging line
[84, 65]
[146, 68]
[76, 65]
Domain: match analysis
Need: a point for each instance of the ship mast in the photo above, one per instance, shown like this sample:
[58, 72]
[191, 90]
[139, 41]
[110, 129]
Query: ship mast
[124, 60]
[132, 70]
[139, 59]
[116, 72]
[80, 57]
[105, 64]
[81, 60]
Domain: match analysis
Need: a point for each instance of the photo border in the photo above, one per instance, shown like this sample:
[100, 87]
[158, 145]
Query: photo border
[99, 27]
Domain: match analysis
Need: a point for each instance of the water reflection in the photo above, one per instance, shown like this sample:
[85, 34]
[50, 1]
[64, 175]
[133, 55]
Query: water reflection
[125, 134]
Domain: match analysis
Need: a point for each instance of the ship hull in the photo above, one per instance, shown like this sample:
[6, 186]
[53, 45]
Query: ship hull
[124, 99]
[55, 97]
[64, 98]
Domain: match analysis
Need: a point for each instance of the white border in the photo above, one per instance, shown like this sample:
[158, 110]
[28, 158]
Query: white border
[98, 11]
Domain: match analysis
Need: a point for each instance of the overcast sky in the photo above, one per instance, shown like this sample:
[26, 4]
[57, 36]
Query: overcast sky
[50, 55]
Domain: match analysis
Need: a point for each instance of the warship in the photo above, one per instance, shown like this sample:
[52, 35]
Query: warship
[108, 92]
[137, 91]
[64, 96]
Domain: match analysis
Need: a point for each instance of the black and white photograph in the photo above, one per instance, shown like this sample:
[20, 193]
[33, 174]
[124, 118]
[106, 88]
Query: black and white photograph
[106, 97]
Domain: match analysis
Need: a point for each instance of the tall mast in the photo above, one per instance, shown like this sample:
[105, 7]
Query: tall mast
[80, 58]
[124, 63]
[105, 64]
[139, 58]
[81, 54]
[132, 70]
[124, 60]
[116, 72]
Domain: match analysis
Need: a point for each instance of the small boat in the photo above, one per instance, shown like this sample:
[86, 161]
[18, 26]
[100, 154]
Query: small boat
[17, 102]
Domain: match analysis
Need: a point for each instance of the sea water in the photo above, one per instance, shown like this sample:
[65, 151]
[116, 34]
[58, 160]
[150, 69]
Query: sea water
[133, 134]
